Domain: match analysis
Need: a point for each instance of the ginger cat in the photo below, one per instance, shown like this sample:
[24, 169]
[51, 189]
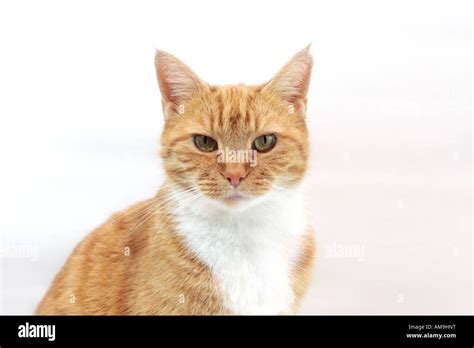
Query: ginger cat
[226, 234]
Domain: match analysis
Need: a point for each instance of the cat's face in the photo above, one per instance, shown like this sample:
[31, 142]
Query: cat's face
[234, 144]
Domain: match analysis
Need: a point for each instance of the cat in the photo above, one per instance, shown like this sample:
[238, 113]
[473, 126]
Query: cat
[221, 236]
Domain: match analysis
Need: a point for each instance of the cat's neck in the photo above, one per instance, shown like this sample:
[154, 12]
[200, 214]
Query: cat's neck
[282, 206]
[278, 218]
[250, 251]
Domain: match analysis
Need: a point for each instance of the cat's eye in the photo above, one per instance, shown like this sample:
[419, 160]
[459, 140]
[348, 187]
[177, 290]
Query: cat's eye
[264, 143]
[205, 143]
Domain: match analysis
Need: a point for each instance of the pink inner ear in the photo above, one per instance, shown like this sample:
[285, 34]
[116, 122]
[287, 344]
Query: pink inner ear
[176, 80]
[292, 81]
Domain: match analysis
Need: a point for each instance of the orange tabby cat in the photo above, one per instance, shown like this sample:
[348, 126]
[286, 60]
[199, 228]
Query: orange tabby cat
[227, 233]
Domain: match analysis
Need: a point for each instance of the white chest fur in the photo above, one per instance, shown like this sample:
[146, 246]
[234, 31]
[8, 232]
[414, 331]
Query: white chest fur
[250, 251]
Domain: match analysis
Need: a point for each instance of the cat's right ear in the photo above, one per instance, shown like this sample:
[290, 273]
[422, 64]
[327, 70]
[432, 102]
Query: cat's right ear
[177, 82]
[292, 81]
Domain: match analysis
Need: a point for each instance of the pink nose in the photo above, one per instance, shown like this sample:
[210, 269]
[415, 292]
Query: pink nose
[235, 178]
[234, 174]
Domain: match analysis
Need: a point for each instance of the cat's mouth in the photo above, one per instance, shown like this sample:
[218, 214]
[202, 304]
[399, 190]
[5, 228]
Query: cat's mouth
[235, 197]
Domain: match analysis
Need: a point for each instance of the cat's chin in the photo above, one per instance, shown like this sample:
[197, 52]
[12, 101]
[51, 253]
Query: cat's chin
[235, 197]
[237, 201]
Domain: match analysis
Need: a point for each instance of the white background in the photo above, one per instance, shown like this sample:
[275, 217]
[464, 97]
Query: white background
[389, 187]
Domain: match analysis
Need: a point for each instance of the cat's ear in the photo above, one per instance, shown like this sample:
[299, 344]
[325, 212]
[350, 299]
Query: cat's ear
[292, 81]
[177, 81]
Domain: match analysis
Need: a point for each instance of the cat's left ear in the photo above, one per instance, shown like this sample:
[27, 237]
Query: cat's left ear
[176, 80]
[292, 81]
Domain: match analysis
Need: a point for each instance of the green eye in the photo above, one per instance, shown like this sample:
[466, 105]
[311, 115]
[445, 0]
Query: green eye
[264, 143]
[205, 143]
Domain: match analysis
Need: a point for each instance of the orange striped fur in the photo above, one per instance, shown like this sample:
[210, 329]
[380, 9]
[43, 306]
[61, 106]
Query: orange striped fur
[139, 261]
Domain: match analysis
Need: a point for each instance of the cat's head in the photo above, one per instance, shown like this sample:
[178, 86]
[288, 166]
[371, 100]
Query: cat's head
[234, 144]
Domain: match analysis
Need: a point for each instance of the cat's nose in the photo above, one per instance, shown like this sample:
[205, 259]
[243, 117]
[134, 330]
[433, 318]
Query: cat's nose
[235, 179]
[235, 175]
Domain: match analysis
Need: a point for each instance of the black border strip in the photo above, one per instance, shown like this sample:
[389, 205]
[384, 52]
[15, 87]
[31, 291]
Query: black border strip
[288, 330]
